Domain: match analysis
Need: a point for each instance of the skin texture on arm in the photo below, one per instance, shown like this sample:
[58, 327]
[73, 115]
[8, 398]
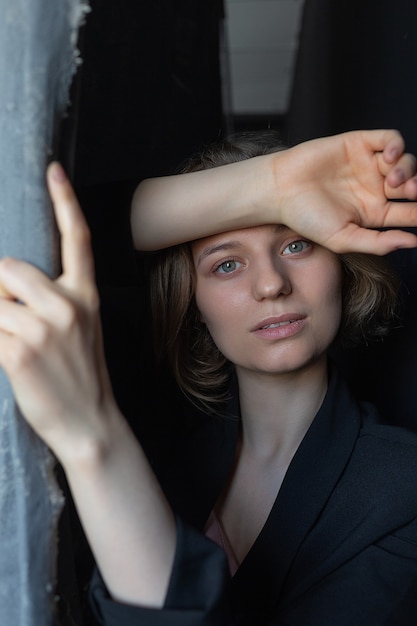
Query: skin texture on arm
[51, 349]
[334, 190]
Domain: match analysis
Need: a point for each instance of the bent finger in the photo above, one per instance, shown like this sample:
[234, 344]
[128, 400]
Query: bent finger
[403, 170]
[76, 252]
[19, 321]
[5, 293]
[394, 146]
[388, 143]
[405, 191]
[34, 291]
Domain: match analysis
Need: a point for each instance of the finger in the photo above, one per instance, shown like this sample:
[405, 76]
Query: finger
[387, 146]
[18, 320]
[76, 253]
[5, 293]
[400, 214]
[388, 142]
[405, 191]
[401, 167]
[368, 241]
[403, 170]
[394, 146]
[409, 189]
[29, 285]
[383, 242]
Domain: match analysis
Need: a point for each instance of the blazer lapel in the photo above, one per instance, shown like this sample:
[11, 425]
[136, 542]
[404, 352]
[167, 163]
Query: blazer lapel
[371, 501]
[312, 475]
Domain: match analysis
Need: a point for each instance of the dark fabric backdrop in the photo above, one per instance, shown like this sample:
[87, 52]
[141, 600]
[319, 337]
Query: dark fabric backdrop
[147, 95]
[357, 68]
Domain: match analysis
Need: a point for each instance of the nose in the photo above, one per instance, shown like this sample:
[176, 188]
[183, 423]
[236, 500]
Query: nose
[271, 280]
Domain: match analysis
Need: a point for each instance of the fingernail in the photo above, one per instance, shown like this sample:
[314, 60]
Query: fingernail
[399, 175]
[58, 173]
[393, 153]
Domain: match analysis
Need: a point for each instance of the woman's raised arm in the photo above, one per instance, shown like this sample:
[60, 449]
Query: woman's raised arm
[51, 350]
[334, 190]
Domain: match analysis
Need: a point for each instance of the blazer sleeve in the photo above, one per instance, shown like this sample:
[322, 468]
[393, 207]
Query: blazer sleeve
[197, 592]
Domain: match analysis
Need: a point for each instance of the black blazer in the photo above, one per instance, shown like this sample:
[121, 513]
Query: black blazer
[339, 547]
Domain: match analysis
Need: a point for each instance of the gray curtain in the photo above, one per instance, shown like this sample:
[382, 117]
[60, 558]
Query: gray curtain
[38, 58]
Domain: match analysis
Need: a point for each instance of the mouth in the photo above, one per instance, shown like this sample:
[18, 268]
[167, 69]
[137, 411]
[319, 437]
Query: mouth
[278, 322]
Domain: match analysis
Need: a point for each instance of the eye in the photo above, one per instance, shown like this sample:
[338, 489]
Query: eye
[226, 267]
[295, 247]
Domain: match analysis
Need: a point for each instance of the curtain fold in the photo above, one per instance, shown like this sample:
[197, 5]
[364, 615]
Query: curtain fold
[38, 58]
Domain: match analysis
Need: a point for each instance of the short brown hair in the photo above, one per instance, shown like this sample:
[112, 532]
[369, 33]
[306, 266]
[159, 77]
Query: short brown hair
[369, 294]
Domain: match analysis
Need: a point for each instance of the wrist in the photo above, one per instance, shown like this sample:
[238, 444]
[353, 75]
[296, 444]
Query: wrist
[279, 187]
[89, 447]
[120, 502]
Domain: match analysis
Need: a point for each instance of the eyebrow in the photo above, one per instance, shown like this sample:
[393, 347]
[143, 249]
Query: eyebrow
[227, 245]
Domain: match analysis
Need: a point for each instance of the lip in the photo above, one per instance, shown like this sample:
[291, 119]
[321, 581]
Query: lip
[281, 326]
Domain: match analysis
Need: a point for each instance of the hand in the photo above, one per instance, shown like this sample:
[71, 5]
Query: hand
[343, 187]
[50, 334]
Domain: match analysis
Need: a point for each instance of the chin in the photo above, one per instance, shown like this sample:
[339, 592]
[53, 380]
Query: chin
[288, 366]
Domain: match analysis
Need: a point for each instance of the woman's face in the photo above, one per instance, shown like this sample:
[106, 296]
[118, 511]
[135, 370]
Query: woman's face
[271, 300]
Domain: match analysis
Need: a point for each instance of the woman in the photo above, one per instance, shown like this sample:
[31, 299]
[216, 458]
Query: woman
[156, 568]
[262, 306]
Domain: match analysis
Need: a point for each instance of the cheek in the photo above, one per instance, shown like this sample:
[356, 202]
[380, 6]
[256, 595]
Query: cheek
[324, 285]
[217, 303]
[212, 313]
[221, 311]
[208, 306]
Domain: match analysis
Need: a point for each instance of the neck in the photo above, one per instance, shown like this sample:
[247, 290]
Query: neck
[277, 410]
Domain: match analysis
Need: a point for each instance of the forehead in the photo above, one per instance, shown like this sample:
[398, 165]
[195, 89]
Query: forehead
[231, 240]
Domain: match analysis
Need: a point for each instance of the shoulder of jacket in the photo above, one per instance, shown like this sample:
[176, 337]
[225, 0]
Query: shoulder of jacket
[372, 426]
